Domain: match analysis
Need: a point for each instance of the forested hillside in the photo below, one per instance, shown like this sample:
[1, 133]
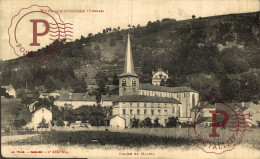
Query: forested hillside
[216, 56]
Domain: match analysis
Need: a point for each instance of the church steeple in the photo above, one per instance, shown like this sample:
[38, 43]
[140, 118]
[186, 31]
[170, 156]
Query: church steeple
[129, 66]
[128, 80]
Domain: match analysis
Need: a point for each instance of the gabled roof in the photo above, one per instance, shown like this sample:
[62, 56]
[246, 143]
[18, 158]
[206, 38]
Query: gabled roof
[76, 97]
[7, 87]
[109, 97]
[43, 106]
[150, 99]
[148, 86]
[111, 117]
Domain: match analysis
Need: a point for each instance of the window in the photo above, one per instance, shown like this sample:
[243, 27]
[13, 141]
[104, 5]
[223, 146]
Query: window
[123, 82]
[145, 111]
[124, 111]
[131, 104]
[159, 112]
[131, 111]
[173, 110]
[165, 112]
[133, 83]
[137, 104]
[165, 121]
[144, 104]
[193, 100]
[131, 120]
[152, 112]
[138, 112]
[159, 105]
[42, 110]
[165, 105]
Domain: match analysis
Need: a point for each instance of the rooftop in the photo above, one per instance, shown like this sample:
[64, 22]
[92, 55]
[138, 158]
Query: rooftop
[148, 86]
[109, 97]
[142, 98]
[76, 97]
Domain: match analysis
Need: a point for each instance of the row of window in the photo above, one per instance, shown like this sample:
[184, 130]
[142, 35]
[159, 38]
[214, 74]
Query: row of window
[152, 105]
[146, 112]
[124, 82]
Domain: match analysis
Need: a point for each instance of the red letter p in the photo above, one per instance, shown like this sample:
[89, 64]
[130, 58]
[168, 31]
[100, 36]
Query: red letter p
[214, 121]
[35, 33]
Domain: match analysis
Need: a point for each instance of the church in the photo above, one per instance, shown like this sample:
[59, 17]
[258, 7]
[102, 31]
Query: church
[140, 101]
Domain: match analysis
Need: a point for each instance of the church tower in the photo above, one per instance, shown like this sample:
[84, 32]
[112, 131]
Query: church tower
[128, 80]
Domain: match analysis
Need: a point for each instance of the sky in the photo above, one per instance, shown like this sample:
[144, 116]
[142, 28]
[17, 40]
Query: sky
[115, 13]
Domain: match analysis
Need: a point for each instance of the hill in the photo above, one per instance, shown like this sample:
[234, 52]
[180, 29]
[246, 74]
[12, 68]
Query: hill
[214, 55]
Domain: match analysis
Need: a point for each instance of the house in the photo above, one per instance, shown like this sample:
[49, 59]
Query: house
[146, 100]
[40, 114]
[158, 76]
[44, 95]
[115, 121]
[10, 90]
[75, 100]
[55, 94]
[107, 100]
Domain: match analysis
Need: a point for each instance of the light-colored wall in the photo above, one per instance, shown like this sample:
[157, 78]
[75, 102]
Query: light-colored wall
[156, 80]
[106, 103]
[184, 97]
[158, 109]
[11, 92]
[39, 115]
[75, 104]
[117, 122]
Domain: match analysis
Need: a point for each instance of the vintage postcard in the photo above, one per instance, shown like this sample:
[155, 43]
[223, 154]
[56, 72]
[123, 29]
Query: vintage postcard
[137, 79]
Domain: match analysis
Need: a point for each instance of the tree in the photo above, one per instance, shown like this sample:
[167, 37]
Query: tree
[147, 122]
[135, 123]
[115, 80]
[52, 83]
[156, 123]
[172, 122]
[162, 83]
[60, 122]
[193, 16]
[43, 124]
[112, 43]
[14, 109]
[19, 123]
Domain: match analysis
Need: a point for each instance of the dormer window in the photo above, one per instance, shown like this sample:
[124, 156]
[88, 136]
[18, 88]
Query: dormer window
[123, 82]
[133, 83]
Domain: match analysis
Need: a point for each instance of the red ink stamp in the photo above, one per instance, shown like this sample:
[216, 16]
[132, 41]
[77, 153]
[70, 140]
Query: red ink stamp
[217, 126]
[37, 36]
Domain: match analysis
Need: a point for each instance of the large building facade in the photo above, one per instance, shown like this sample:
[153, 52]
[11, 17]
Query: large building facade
[146, 100]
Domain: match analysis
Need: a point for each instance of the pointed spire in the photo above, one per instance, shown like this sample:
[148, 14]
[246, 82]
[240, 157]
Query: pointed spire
[129, 66]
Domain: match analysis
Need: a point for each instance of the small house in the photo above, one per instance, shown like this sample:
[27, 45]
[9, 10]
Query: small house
[115, 122]
[10, 90]
[40, 114]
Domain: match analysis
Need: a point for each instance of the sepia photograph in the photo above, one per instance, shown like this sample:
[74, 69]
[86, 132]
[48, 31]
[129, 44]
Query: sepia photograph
[149, 79]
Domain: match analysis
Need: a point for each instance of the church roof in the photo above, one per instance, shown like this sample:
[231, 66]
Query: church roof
[151, 99]
[148, 86]
[129, 65]
[76, 97]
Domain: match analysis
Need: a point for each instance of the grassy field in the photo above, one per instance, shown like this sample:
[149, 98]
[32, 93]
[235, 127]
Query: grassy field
[141, 137]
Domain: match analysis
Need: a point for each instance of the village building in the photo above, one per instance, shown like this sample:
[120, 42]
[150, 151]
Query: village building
[115, 122]
[146, 100]
[10, 90]
[75, 100]
[40, 114]
[159, 76]
[107, 100]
